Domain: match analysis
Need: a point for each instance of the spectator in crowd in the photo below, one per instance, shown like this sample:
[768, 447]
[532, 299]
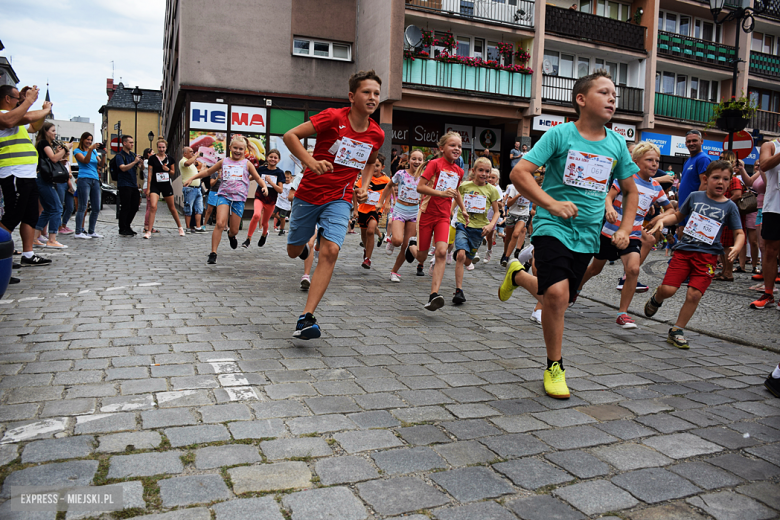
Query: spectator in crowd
[88, 185]
[127, 163]
[193, 198]
[515, 154]
[65, 191]
[51, 215]
[693, 168]
[18, 165]
[752, 220]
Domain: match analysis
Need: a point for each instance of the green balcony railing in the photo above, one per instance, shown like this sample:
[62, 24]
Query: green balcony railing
[683, 109]
[456, 76]
[695, 50]
[764, 64]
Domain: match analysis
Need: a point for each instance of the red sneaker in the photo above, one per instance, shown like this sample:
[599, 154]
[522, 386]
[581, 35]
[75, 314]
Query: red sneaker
[624, 321]
[763, 302]
[366, 264]
[759, 276]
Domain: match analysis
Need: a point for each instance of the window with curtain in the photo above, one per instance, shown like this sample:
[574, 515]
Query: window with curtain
[566, 68]
[623, 76]
[704, 89]
[682, 82]
[463, 47]
[667, 85]
[583, 67]
[685, 26]
[552, 59]
[694, 88]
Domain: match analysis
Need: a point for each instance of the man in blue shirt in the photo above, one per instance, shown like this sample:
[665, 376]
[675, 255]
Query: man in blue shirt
[695, 166]
[127, 184]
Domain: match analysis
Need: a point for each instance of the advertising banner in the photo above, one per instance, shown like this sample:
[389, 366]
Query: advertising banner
[208, 147]
[255, 150]
[248, 119]
[208, 116]
[487, 139]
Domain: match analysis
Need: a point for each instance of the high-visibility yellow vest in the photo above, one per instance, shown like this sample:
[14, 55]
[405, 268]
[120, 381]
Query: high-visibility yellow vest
[17, 149]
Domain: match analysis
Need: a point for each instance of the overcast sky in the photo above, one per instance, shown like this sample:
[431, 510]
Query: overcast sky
[71, 44]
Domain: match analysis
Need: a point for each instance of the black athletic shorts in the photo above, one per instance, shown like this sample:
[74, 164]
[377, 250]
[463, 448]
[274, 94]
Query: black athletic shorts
[162, 189]
[770, 226]
[365, 218]
[21, 202]
[555, 262]
[608, 251]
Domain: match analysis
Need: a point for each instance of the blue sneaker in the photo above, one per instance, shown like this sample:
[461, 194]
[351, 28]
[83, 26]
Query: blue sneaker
[307, 327]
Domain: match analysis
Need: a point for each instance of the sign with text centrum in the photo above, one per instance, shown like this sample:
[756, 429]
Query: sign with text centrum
[247, 119]
[208, 116]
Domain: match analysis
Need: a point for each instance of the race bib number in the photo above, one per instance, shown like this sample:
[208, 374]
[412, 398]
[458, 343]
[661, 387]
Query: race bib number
[373, 197]
[447, 180]
[475, 203]
[587, 171]
[645, 201]
[409, 194]
[352, 154]
[233, 172]
[701, 228]
[163, 177]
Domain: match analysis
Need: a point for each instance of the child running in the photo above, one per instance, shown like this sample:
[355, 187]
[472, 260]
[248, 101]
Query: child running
[264, 204]
[368, 214]
[232, 194]
[438, 186]
[581, 158]
[479, 196]
[518, 215]
[647, 156]
[348, 143]
[404, 223]
[696, 254]
[490, 238]
[283, 205]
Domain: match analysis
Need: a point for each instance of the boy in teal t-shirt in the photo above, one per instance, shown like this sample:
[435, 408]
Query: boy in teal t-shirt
[581, 159]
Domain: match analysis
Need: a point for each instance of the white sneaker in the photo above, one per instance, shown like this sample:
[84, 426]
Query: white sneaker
[95, 235]
[431, 251]
[449, 257]
[305, 282]
[475, 260]
[536, 316]
[526, 254]
[470, 267]
[389, 248]
[430, 267]
[82, 236]
[488, 255]
[394, 277]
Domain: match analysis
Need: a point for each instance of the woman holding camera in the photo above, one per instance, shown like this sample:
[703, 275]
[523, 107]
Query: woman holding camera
[47, 191]
[88, 184]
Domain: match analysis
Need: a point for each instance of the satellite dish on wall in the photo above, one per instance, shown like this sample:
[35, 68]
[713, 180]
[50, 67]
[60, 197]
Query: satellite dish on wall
[413, 37]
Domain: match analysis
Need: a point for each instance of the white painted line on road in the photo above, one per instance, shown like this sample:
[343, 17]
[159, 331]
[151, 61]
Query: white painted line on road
[30, 298]
[82, 419]
[242, 393]
[6, 302]
[85, 291]
[225, 367]
[61, 294]
[232, 380]
[136, 403]
[164, 397]
[116, 288]
[150, 284]
[28, 431]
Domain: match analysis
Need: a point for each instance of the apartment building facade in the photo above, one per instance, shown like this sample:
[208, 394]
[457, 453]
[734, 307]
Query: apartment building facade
[494, 70]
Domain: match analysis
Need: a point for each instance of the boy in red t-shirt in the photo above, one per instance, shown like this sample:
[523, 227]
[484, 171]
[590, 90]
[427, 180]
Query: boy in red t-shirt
[438, 185]
[348, 142]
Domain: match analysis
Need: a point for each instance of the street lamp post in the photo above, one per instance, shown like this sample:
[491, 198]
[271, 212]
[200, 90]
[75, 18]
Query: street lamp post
[743, 15]
[136, 99]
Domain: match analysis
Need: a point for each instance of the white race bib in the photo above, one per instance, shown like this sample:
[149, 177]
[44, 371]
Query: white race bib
[352, 154]
[234, 172]
[701, 228]
[587, 171]
[475, 203]
[409, 194]
[373, 197]
[645, 201]
[447, 180]
[163, 177]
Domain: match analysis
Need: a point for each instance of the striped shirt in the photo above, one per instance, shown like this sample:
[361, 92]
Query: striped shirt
[650, 192]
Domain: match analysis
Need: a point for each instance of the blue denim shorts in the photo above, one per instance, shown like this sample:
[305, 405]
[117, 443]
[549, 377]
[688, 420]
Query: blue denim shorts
[332, 219]
[212, 200]
[467, 239]
[193, 201]
[236, 206]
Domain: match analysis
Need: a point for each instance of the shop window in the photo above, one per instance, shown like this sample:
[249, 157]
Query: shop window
[322, 49]
[283, 120]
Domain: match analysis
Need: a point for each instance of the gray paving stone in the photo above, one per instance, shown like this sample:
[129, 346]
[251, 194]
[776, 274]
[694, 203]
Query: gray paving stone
[105, 423]
[68, 407]
[334, 404]
[770, 453]
[77, 473]
[400, 495]
[375, 419]
[420, 414]
[766, 492]
[665, 423]
[355, 442]
[190, 513]
[470, 484]
[212, 457]
[143, 386]
[379, 401]
[127, 403]
[164, 418]
[727, 505]
[681, 445]
[192, 489]
[272, 410]
[262, 429]
[183, 398]
[542, 507]
[575, 437]
[470, 429]
[646, 406]
[561, 418]
[465, 453]
[113, 374]
[337, 503]
[145, 464]
[655, 485]
[517, 406]
[290, 448]
[519, 423]
[579, 463]
[627, 457]
[409, 460]
[186, 435]
[55, 449]
[320, 424]
[480, 511]
[18, 412]
[422, 435]
[119, 442]
[705, 475]
[677, 511]
[344, 470]
[515, 445]
[596, 497]
[225, 412]
[288, 390]
[725, 437]
[270, 477]
[8, 453]
[471, 411]
[532, 473]
[749, 469]
[263, 508]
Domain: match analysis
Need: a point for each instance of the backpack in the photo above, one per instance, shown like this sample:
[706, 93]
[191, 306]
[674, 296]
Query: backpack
[113, 169]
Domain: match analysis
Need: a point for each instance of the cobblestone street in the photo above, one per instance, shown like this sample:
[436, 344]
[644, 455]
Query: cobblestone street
[132, 362]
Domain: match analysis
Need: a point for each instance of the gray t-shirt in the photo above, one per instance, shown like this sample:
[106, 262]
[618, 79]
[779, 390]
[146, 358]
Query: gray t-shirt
[723, 213]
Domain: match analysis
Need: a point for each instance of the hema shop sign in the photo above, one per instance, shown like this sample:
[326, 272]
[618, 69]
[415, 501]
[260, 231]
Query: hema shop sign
[208, 116]
[544, 122]
[249, 119]
[674, 146]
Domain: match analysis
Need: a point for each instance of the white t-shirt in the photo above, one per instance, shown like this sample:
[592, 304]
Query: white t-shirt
[20, 171]
[500, 197]
[772, 195]
[281, 201]
[522, 206]
[296, 182]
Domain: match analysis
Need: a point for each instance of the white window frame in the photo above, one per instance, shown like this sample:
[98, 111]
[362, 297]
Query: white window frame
[688, 82]
[621, 8]
[692, 21]
[592, 65]
[330, 44]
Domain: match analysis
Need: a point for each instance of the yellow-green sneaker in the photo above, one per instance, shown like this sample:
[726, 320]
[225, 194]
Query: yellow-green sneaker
[676, 337]
[555, 382]
[507, 287]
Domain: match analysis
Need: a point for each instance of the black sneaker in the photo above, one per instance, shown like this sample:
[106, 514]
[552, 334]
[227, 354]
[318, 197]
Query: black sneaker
[409, 255]
[246, 243]
[307, 327]
[35, 261]
[504, 260]
[127, 234]
[379, 240]
[14, 280]
[261, 242]
[233, 241]
[361, 244]
[282, 232]
[305, 253]
[435, 301]
[459, 297]
[773, 385]
[212, 258]
[17, 265]
[420, 271]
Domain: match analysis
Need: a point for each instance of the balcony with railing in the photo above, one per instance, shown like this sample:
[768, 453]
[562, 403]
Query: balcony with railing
[460, 78]
[509, 12]
[765, 121]
[683, 108]
[589, 27]
[695, 50]
[771, 10]
[557, 90]
[765, 65]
